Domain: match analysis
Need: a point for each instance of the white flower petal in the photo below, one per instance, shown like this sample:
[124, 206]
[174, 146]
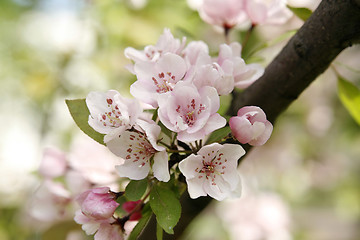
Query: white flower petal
[161, 166]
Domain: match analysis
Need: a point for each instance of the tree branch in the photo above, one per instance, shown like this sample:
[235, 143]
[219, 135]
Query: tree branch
[334, 26]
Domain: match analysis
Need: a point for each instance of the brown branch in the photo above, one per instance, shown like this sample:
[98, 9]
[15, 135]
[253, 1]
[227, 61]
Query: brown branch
[334, 26]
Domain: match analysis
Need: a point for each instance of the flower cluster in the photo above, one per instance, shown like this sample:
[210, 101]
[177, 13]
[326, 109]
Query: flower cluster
[162, 134]
[181, 85]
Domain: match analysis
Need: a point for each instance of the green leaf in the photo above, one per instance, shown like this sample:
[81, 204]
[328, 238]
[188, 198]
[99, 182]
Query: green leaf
[146, 214]
[80, 113]
[302, 13]
[159, 232]
[136, 189]
[218, 135]
[349, 95]
[166, 207]
[155, 115]
[174, 185]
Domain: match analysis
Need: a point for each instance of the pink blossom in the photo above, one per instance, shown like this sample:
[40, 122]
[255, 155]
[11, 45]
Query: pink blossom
[104, 228]
[84, 160]
[233, 65]
[157, 78]
[97, 203]
[254, 217]
[166, 44]
[111, 114]
[109, 231]
[49, 202]
[196, 54]
[190, 112]
[267, 11]
[213, 171]
[229, 13]
[251, 126]
[224, 13]
[195, 51]
[213, 75]
[137, 148]
[53, 163]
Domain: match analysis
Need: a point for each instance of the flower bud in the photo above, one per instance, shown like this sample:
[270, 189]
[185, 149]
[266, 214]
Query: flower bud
[251, 126]
[97, 203]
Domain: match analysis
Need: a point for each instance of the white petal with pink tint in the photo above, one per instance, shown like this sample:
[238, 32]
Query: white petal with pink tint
[161, 166]
[246, 75]
[90, 226]
[137, 148]
[224, 13]
[157, 78]
[189, 111]
[136, 151]
[166, 44]
[213, 171]
[111, 114]
[53, 163]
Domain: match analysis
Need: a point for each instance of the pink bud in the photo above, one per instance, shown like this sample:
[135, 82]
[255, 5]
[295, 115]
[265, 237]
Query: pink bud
[97, 203]
[251, 126]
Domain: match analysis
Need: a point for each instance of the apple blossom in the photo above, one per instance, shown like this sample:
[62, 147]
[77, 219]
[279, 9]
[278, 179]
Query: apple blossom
[251, 126]
[213, 171]
[53, 164]
[196, 55]
[104, 229]
[84, 160]
[49, 202]
[230, 61]
[111, 114]
[157, 78]
[97, 203]
[213, 75]
[137, 148]
[267, 11]
[166, 44]
[190, 112]
[108, 230]
[223, 13]
[194, 50]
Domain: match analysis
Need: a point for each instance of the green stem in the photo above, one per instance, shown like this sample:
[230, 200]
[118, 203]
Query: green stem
[179, 151]
[247, 36]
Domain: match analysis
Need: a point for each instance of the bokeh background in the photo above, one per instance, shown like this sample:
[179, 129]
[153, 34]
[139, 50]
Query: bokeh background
[303, 184]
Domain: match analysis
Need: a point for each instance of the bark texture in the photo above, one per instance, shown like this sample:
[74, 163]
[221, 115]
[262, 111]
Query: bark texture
[334, 26]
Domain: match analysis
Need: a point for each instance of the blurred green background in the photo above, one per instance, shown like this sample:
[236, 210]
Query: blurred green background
[303, 184]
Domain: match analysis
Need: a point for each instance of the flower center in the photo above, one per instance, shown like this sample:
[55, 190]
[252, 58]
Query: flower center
[164, 82]
[190, 112]
[141, 150]
[113, 118]
[213, 167]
